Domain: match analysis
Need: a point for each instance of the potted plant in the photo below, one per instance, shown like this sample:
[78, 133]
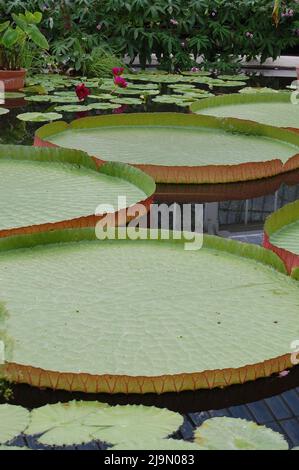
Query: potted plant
[16, 35]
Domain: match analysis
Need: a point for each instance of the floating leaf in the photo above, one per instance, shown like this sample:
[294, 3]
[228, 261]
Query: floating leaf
[225, 84]
[237, 434]
[240, 77]
[72, 108]
[103, 106]
[103, 96]
[157, 444]
[121, 424]
[4, 111]
[39, 117]
[64, 99]
[127, 101]
[200, 73]
[9, 95]
[13, 421]
[63, 423]
[252, 90]
[38, 98]
[13, 448]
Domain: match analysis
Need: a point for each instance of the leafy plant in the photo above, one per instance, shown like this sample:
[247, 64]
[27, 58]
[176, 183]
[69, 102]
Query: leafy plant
[15, 35]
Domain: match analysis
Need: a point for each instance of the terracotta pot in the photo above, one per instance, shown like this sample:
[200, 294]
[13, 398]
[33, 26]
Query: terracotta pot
[13, 79]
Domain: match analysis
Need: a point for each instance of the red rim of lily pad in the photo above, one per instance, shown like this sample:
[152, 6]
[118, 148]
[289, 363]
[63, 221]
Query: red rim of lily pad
[189, 174]
[275, 222]
[75, 157]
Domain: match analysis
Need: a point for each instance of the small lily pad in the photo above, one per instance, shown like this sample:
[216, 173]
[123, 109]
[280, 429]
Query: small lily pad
[38, 98]
[9, 95]
[253, 90]
[103, 96]
[13, 421]
[237, 434]
[72, 108]
[127, 101]
[103, 106]
[4, 111]
[39, 117]
[63, 423]
[239, 77]
[122, 424]
[64, 99]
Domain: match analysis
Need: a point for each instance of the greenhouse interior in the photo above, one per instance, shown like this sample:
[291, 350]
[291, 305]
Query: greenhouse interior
[157, 309]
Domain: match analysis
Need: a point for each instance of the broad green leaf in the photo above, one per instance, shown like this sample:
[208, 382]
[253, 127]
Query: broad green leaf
[237, 434]
[36, 36]
[10, 37]
[4, 26]
[4, 111]
[13, 95]
[13, 421]
[38, 98]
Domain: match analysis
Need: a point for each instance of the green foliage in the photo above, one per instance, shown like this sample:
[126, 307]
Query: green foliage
[177, 31]
[15, 35]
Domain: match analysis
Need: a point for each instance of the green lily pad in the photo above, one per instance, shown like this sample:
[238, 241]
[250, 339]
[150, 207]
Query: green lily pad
[200, 73]
[103, 106]
[13, 421]
[253, 90]
[157, 444]
[228, 83]
[182, 86]
[238, 434]
[121, 424]
[66, 93]
[239, 77]
[4, 111]
[144, 86]
[64, 99]
[13, 95]
[171, 99]
[72, 108]
[63, 423]
[38, 98]
[39, 117]
[133, 101]
[103, 96]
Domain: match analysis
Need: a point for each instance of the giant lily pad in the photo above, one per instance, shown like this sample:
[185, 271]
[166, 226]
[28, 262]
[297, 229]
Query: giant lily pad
[121, 424]
[269, 108]
[238, 434]
[132, 309]
[13, 421]
[39, 117]
[282, 234]
[63, 423]
[54, 186]
[182, 148]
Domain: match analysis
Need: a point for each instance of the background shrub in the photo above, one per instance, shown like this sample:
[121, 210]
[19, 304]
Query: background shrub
[218, 30]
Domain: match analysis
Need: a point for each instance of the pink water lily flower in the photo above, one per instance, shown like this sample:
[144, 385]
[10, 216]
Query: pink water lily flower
[118, 71]
[120, 81]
